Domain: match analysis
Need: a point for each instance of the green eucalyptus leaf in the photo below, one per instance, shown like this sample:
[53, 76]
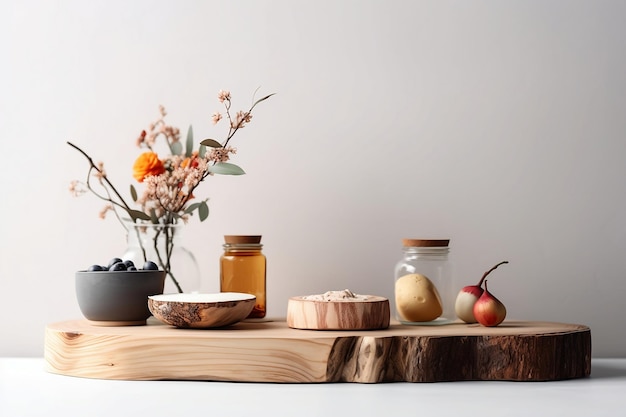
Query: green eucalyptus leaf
[192, 207]
[202, 151]
[177, 148]
[153, 217]
[203, 211]
[225, 168]
[189, 144]
[138, 215]
[133, 192]
[211, 142]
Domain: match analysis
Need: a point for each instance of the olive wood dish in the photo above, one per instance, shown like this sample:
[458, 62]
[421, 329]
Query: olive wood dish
[369, 314]
[201, 311]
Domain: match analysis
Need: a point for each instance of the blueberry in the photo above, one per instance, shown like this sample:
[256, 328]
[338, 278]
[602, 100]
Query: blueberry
[129, 263]
[131, 268]
[150, 266]
[96, 268]
[113, 262]
[119, 266]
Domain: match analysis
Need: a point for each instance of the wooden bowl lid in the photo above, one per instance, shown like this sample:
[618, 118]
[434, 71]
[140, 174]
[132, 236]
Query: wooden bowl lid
[362, 314]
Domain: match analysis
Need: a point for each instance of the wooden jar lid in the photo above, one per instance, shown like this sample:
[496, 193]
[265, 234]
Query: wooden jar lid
[426, 243]
[242, 239]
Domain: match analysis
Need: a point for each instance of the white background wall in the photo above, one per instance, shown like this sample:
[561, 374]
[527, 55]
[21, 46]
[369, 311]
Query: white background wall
[499, 125]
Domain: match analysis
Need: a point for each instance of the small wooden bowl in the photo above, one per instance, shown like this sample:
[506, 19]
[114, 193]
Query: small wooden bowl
[201, 311]
[370, 314]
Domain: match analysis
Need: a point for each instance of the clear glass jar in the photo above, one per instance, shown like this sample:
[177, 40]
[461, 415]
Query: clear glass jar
[243, 268]
[163, 245]
[424, 301]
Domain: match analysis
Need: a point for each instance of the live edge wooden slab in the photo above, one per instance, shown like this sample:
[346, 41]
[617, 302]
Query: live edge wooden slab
[273, 352]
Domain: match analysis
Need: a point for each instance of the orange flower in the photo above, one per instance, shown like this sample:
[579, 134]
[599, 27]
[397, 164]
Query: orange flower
[148, 163]
[189, 162]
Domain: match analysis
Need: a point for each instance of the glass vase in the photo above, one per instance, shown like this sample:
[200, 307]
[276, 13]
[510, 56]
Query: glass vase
[162, 244]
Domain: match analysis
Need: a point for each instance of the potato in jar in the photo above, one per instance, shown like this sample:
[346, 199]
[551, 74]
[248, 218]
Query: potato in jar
[417, 298]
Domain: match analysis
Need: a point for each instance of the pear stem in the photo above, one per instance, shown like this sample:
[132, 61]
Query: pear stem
[480, 283]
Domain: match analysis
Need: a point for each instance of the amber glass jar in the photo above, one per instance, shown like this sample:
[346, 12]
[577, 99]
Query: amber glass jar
[242, 269]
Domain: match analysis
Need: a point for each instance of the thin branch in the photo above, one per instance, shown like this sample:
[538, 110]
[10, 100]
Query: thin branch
[122, 203]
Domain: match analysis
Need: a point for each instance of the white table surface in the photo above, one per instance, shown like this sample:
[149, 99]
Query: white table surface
[26, 389]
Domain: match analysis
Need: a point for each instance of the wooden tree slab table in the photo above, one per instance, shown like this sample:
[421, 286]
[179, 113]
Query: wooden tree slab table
[272, 352]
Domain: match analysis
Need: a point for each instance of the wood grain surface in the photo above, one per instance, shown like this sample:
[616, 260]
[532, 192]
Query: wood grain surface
[372, 314]
[273, 352]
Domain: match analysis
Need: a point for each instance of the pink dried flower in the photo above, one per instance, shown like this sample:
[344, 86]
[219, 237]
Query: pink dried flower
[221, 154]
[100, 172]
[105, 209]
[173, 133]
[158, 128]
[223, 95]
[217, 116]
[77, 188]
[241, 119]
[150, 140]
[141, 138]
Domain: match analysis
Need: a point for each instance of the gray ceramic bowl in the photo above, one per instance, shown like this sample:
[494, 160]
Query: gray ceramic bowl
[117, 298]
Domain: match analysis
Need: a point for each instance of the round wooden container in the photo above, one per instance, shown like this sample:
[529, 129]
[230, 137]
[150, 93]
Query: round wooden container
[370, 314]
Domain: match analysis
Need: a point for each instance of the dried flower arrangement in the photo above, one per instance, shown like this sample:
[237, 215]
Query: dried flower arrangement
[169, 182]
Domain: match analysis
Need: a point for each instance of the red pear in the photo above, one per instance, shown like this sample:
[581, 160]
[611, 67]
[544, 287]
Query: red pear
[488, 310]
[467, 297]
